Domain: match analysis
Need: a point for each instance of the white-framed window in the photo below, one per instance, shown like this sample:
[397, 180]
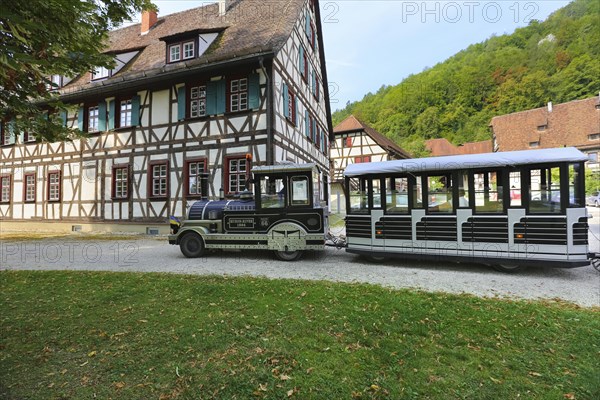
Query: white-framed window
[238, 95]
[195, 171]
[93, 119]
[237, 173]
[53, 186]
[125, 113]
[198, 101]
[188, 50]
[159, 180]
[29, 187]
[5, 189]
[120, 182]
[174, 52]
[100, 73]
[593, 157]
[5, 135]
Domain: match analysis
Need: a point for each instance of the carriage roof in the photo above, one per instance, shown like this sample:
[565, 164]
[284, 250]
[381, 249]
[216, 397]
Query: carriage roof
[469, 161]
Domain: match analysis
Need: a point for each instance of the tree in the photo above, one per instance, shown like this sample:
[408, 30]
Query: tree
[41, 38]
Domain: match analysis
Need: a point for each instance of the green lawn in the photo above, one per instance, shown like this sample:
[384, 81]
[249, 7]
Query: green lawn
[66, 335]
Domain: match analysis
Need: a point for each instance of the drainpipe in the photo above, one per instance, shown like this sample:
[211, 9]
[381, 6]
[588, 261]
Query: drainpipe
[269, 91]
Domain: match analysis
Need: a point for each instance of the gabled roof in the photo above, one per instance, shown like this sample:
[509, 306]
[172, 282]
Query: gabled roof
[249, 28]
[566, 124]
[352, 124]
[442, 147]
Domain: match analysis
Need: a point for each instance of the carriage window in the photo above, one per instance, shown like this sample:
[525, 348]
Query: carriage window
[514, 181]
[357, 195]
[575, 188]
[463, 190]
[417, 191]
[488, 192]
[440, 193]
[300, 191]
[396, 195]
[272, 191]
[377, 193]
[544, 190]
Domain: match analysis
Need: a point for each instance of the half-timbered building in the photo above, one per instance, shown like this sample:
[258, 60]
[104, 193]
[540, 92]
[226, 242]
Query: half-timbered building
[206, 93]
[357, 142]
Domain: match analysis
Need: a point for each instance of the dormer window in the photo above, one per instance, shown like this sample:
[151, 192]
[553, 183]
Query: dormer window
[188, 45]
[101, 73]
[542, 127]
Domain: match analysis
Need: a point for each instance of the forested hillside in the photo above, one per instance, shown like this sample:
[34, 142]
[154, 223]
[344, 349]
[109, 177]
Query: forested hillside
[556, 60]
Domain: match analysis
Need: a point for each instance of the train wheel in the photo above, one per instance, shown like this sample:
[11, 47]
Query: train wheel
[509, 268]
[191, 245]
[289, 255]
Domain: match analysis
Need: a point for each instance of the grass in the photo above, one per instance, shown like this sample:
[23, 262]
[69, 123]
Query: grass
[66, 335]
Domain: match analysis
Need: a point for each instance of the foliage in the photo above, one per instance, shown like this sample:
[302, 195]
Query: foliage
[141, 336]
[592, 181]
[41, 38]
[457, 98]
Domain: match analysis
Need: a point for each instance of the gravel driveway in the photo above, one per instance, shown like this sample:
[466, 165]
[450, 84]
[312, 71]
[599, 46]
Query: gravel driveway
[579, 285]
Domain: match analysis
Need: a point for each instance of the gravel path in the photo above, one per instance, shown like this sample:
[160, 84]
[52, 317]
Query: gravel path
[580, 285]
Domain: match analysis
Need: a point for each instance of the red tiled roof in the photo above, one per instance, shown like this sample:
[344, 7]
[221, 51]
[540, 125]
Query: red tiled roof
[248, 28]
[353, 124]
[568, 124]
[442, 147]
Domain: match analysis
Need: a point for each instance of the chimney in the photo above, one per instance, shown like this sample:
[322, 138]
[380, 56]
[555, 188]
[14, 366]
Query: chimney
[149, 19]
[549, 106]
[224, 6]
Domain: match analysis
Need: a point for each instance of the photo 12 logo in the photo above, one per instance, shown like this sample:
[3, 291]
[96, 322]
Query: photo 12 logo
[468, 11]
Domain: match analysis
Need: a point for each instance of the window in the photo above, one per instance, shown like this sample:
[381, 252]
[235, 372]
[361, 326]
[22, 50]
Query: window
[358, 196]
[348, 142]
[440, 199]
[534, 144]
[93, 119]
[365, 159]
[100, 73]
[6, 134]
[57, 82]
[488, 192]
[396, 195]
[514, 180]
[238, 95]
[195, 175]
[188, 50]
[174, 52]
[54, 186]
[593, 157]
[197, 101]
[303, 64]
[544, 190]
[159, 179]
[594, 136]
[5, 189]
[28, 137]
[120, 188]
[299, 192]
[291, 109]
[542, 127]
[125, 113]
[576, 185]
[272, 192]
[29, 189]
[236, 169]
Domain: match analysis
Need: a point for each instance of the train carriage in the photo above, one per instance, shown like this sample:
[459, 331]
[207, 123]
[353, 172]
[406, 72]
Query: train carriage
[508, 209]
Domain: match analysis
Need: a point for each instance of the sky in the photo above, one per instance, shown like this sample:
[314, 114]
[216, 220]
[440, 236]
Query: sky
[370, 43]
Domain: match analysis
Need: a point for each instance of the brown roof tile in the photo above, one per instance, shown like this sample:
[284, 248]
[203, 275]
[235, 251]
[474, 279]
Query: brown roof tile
[353, 124]
[568, 124]
[442, 147]
[249, 27]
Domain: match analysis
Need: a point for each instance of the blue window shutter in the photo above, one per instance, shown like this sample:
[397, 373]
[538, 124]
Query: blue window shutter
[307, 124]
[211, 98]
[63, 117]
[80, 116]
[307, 25]
[254, 91]
[135, 111]
[221, 96]
[181, 103]
[301, 64]
[12, 131]
[295, 110]
[111, 115]
[102, 116]
[286, 101]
